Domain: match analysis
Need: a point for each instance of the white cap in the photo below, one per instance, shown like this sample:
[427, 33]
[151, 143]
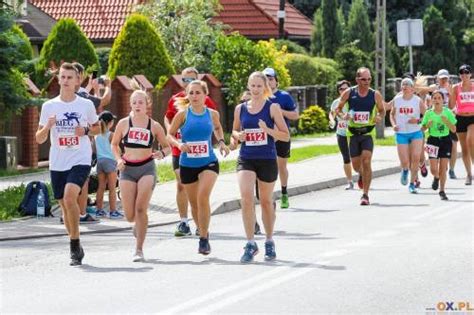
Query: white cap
[270, 72]
[443, 73]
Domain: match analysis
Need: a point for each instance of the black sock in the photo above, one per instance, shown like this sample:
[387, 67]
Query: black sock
[283, 190]
[75, 245]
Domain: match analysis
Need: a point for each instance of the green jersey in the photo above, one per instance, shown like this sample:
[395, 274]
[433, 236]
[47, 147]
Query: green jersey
[438, 128]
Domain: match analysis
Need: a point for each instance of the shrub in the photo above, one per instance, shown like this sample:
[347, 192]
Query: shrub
[139, 49]
[275, 59]
[103, 53]
[350, 58]
[25, 51]
[313, 119]
[305, 70]
[10, 199]
[291, 47]
[65, 43]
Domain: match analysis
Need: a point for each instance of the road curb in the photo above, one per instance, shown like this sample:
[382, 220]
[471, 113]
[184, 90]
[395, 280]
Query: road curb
[226, 206]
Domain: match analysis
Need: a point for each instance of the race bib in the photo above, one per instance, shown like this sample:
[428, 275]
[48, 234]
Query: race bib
[406, 110]
[198, 149]
[432, 150]
[139, 136]
[255, 137]
[342, 125]
[361, 117]
[68, 142]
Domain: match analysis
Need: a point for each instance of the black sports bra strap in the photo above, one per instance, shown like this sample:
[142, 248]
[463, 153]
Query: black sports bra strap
[130, 124]
[149, 124]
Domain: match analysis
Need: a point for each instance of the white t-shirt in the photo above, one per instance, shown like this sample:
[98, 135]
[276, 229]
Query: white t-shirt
[68, 150]
[405, 110]
[341, 127]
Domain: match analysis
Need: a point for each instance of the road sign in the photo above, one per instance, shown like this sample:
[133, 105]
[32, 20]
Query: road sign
[410, 32]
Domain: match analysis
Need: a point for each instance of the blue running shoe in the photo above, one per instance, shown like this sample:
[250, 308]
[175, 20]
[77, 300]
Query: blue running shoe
[114, 214]
[412, 188]
[204, 246]
[91, 210]
[100, 213]
[250, 251]
[182, 229]
[404, 177]
[270, 253]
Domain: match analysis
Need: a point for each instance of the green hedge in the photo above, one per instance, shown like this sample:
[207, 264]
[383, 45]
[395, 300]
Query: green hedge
[305, 70]
[313, 119]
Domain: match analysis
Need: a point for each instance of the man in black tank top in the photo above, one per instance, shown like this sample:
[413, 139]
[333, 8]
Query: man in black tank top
[362, 118]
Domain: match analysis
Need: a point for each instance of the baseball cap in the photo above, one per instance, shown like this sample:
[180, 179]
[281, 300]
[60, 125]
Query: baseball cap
[443, 73]
[464, 68]
[107, 116]
[269, 72]
[408, 75]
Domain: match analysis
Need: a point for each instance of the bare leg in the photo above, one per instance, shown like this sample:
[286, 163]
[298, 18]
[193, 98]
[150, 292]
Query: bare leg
[246, 185]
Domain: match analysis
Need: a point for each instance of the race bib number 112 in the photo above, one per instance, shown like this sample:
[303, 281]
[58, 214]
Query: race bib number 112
[255, 137]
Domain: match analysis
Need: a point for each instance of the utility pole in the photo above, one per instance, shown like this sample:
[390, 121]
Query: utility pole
[380, 57]
[281, 20]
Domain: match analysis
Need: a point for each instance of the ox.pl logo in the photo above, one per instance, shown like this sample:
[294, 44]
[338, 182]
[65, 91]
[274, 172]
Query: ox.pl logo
[450, 306]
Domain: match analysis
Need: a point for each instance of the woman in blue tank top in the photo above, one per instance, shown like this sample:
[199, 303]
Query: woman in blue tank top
[254, 126]
[198, 163]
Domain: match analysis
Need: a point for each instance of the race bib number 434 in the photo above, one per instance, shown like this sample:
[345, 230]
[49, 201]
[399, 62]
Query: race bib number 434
[139, 136]
[198, 149]
[361, 117]
[255, 137]
[68, 142]
[432, 150]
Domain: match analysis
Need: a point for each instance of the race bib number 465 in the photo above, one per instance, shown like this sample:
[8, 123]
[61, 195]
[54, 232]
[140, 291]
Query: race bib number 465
[68, 142]
[432, 150]
[198, 149]
[139, 136]
[255, 137]
[361, 117]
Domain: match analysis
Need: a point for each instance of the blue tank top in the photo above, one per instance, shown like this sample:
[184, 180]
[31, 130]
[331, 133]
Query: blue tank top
[258, 144]
[102, 146]
[196, 132]
[361, 108]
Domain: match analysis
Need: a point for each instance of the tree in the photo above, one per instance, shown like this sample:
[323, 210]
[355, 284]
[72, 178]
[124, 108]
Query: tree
[65, 43]
[139, 49]
[307, 7]
[13, 92]
[187, 29]
[317, 34]
[350, 58]
[359, 28]
[332, 31]
[439, 49]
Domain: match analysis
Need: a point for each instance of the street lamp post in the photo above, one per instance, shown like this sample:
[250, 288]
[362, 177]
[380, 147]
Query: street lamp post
[281, 20]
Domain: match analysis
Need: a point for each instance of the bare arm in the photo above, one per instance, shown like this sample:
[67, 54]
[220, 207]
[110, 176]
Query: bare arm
[236, 132]
[160, 135]
[117, 137]
[290, 114]
[342, 101]
[380, 107]
[281, 132]
[453, 96]
[177, 122]
[219, 132]
[392, 119]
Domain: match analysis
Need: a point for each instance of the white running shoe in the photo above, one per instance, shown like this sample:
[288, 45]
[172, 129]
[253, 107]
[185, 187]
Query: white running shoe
[138, 256]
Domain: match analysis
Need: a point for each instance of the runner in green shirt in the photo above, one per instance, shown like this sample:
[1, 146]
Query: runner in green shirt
[439, 121]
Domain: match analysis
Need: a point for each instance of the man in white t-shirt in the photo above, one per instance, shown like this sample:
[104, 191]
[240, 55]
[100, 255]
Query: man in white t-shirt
[68, 119]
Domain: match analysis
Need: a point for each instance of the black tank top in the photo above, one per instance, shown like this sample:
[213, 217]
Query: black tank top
[136, 137]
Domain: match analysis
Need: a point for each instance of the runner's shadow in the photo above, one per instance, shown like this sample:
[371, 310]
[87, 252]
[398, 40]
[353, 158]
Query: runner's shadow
[292, 264]
[387, 205]
[383, 189]
[302, 236]
[459, 200]
[291, 209]
[89, 268]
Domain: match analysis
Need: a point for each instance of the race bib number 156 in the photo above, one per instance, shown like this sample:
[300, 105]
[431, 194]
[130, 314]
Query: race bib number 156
[68, 142]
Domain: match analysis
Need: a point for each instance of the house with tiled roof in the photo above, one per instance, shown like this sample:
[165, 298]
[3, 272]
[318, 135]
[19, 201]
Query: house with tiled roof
[101, 20]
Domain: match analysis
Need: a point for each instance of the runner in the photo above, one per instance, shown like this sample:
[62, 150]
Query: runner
[363, 103]
[463, 99]
[405, 116]
[198, 164]
[182, 229]
[439, 121]
[68, 119]
[341, 129]
[106, 167]
[137, 132]
[254, 125]
[283, 148]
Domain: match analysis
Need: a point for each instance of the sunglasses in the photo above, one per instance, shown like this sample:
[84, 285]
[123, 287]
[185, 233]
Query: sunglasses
[365, 79]
[188, 80]
[464, 72]
[343, 88]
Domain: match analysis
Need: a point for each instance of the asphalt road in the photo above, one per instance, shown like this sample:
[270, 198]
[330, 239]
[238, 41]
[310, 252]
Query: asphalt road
[403, 254]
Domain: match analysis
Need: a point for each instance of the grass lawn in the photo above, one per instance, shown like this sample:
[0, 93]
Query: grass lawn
[386, 141]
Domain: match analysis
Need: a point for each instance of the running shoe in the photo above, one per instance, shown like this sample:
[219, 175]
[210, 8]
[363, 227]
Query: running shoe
[412, 188]
[61, 220]
[77, 256]
[250, 250]
[350, 186]
[91, 210]
[115, 215]
[270, 253]
[452, 175]
[468, 180]
[204, 247]
[364, 200]
[417, 183]
[360, 183]
[87, 219]
[423, 170]
[197, 232]
[257, 229]
[182, 229]
[100, 213]
[284, 201]
[435, 184]
[443, 196]
[138, 256]
[404, 177]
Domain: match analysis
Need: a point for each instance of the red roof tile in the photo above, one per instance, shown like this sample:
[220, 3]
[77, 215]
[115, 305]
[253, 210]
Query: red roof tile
[99, 19]
[258, 18]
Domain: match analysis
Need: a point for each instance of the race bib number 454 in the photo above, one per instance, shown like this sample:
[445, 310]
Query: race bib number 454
[198, 149]
[255, 137]
[361, 117]
[432, 150]
[68, 142]
[139, 136]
